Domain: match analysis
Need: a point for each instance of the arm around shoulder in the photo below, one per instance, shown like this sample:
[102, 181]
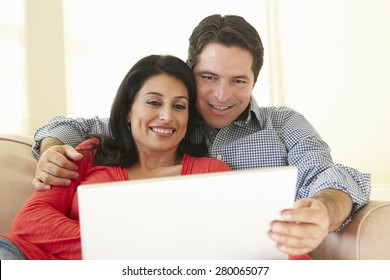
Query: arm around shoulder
[48, 142]
[69, 131]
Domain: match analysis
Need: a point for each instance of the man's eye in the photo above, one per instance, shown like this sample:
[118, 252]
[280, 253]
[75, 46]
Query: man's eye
[239, 81]
[208, 77]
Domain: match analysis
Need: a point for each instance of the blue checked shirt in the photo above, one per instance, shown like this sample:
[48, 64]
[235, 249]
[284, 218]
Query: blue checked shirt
[269, 137]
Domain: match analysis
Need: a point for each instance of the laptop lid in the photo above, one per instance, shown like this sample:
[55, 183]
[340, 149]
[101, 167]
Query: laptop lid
[222, 216]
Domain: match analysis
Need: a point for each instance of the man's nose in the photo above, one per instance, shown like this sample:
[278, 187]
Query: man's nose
[222, 91]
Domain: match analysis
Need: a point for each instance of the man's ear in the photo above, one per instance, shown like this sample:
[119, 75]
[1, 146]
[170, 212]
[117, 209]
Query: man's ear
[187, 61]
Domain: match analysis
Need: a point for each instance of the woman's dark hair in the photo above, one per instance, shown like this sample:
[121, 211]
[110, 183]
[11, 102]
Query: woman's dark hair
[229, 31]
[120, 149]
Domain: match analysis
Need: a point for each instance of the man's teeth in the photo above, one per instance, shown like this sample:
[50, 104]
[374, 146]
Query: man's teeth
[162, 130]
[220, 107]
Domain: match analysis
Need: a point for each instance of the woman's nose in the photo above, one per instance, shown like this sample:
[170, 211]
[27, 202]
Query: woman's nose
[165, 114]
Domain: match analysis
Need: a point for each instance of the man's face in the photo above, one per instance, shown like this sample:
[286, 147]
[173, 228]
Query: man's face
[224, 82]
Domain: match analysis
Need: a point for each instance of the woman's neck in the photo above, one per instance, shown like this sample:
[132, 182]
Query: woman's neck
[155, 165]
[150, 161]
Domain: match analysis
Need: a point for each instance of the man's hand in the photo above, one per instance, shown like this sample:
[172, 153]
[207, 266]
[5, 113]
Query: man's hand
[55, 168]
[306, 225]
[302, 229]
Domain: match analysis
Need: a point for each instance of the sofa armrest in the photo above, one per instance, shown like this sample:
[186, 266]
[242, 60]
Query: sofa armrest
[17, 168]
[366, 237]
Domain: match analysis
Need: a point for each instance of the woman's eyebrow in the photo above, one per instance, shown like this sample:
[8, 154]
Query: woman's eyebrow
[153, 93]
[181, 97]
[160, 94]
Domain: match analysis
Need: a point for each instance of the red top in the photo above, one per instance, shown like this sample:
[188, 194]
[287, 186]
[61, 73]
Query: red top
[47, 225]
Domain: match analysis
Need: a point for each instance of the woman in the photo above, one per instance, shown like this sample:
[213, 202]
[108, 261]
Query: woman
[150, 119]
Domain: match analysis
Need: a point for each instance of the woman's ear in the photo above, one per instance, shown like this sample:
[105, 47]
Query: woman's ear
[129, 117]
[129, 120]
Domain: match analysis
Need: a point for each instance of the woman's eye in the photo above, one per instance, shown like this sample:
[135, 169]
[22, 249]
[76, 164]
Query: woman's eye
[180, 106]
[153, 103]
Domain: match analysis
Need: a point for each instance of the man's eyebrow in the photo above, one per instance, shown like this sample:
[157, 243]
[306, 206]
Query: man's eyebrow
[207, 72]
[246, 77]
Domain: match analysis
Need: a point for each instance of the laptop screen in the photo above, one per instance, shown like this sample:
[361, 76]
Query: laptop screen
[222, 216]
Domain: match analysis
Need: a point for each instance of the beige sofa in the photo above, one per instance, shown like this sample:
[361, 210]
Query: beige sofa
[367, 237]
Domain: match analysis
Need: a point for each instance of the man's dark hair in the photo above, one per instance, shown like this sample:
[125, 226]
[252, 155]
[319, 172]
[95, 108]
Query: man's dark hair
[228, 30]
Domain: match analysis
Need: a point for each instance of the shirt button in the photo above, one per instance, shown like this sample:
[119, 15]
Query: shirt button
[219, 157]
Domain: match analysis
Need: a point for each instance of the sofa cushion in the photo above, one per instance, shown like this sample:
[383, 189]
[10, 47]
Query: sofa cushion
[17, 167]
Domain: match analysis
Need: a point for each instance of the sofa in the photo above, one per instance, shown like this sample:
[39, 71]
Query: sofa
[367, 237]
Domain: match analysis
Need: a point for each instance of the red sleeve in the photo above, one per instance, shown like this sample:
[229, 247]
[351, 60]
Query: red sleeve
[301, 257]
[43, 220]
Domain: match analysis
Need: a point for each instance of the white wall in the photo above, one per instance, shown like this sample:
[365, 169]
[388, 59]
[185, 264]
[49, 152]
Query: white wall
[32, 70]
[67, 57]
[332, 61]
[12, 66]
[101, 44]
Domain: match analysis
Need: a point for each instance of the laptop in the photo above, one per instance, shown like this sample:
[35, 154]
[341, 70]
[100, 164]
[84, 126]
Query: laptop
[215, 216]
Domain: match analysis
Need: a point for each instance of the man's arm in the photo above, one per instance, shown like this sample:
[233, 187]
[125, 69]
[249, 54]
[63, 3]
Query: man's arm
[338, 205]
[47, 143]
[55, 166]
[316, 170]
[54, 144]
[328, 194]
[69, 131]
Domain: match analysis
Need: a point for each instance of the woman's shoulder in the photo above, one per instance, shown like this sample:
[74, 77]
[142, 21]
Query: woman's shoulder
[88, 144]
[194, 165]
[89, 147]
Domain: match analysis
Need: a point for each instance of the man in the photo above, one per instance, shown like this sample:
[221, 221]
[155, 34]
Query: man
[226, 55]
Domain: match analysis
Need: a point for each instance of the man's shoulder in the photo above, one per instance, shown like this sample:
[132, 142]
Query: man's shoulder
[276, 113]
[254, 106]
[275, 110]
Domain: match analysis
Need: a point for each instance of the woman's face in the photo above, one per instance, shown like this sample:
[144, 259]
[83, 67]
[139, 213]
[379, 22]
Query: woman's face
[159, 114]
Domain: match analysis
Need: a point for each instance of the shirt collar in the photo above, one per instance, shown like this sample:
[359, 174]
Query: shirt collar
[254, 112]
